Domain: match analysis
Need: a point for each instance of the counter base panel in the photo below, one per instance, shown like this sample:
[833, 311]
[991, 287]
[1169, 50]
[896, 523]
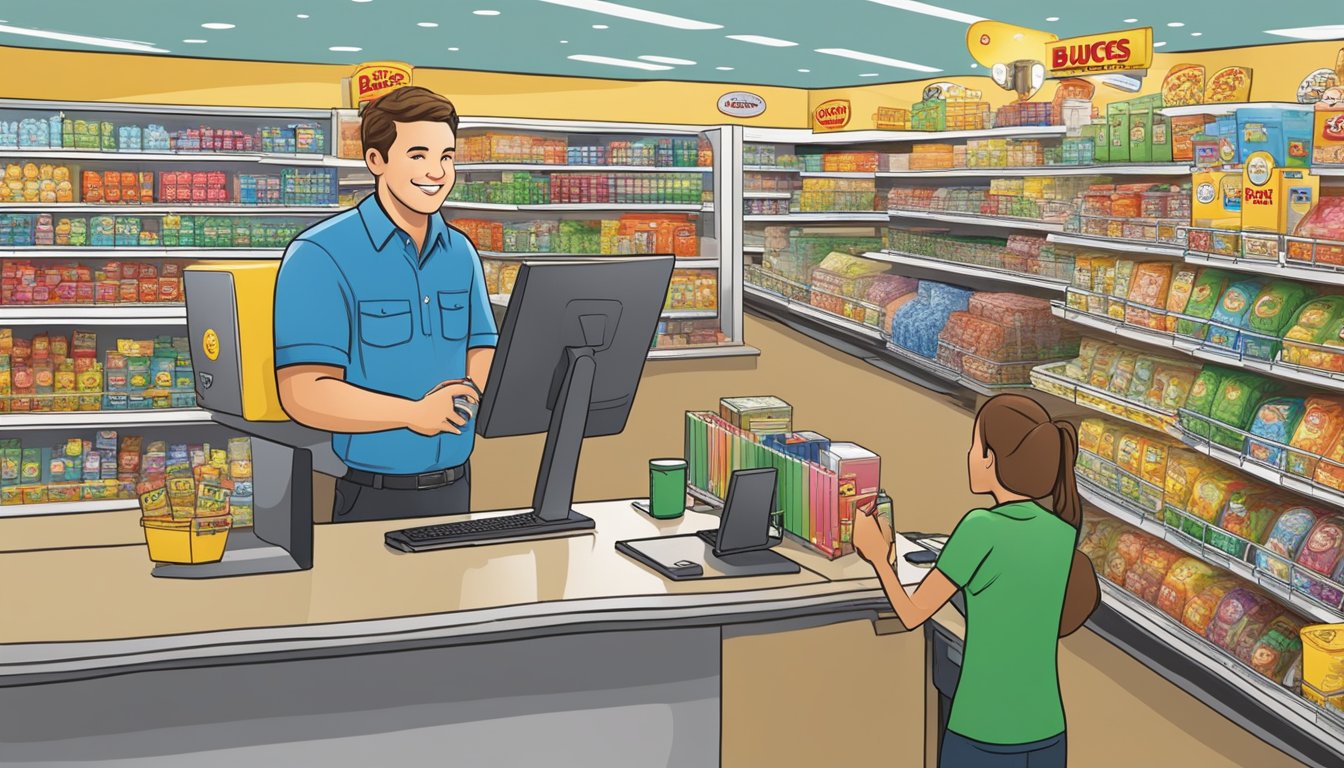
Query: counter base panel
[620, 699]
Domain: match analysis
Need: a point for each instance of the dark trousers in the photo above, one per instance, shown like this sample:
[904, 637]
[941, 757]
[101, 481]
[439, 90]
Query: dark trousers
[960, 752]
[358, 503]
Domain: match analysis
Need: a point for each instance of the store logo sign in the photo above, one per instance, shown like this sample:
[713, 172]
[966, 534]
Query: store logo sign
[832, 114]
[741, 104]
[376, 79]
[1095, 54]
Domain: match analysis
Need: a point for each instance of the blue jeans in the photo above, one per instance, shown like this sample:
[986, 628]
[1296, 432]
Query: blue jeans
[961, 752]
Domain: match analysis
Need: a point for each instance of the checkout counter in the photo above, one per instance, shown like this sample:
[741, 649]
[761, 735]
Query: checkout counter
[325, 647]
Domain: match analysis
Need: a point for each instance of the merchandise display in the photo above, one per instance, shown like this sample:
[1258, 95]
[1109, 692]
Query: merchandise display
[106, 465]
[56, 184]
[1021, 254]
[59, 131]
[631, 233]
[56, 373]
[46, 230]
[47, 282]
[1037, 198]
[660, 152]
[527, 188]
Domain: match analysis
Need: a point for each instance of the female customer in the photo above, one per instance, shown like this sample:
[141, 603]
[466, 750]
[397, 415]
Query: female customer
[1013, 562]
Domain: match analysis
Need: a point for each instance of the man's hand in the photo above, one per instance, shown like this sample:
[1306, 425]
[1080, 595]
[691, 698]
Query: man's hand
[436, 413]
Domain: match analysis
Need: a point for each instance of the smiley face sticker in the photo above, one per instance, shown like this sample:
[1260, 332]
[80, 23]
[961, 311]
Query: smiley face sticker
[210, 343]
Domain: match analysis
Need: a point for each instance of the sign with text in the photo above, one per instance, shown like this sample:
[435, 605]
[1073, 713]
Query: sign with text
[831, 115]
[375, 79]
[1098, 54]
[741, 104]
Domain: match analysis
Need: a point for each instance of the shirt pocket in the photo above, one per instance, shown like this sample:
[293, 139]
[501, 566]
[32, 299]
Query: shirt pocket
[385, 323]
[454, 314]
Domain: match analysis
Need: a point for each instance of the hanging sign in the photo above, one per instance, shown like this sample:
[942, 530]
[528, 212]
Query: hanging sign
[378, 78]
[831, 115]
[741, 104]
[1096, 54]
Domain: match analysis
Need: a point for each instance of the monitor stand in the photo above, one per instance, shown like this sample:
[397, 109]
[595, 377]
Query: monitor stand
[553, 498]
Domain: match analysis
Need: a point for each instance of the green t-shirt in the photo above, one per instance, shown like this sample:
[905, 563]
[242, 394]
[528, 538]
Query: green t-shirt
[1012, 562]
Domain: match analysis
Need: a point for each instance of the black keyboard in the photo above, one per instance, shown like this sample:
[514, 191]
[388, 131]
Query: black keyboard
[484, 529]
[711, 536]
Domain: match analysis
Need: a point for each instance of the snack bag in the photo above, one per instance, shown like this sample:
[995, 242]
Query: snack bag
[1279, 648]
[1270, 315]
[1230, 314]
[1097, 539]
[182, 496]
[1235, 406]
[1148, 287]
[1249, 514]
[1209, 286]
[1242, 609]
[1285, 540]
[1125, 554]
[1178, 295]
[1172, 384]
[1187, 577]
[1317, 432]
[1321, 552]
[1144, 578]
[1276, 420]
[1310, 327]
[1203, 393]
[1199, 610]
[153, 498]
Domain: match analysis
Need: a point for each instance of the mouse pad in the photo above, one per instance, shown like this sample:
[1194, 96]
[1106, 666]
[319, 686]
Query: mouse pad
[659, 553]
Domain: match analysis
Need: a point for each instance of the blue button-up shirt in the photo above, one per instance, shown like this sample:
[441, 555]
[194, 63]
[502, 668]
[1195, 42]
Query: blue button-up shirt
[353, 293]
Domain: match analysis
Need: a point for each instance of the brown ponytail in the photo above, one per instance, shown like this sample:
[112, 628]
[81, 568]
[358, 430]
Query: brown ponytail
[1034, 456]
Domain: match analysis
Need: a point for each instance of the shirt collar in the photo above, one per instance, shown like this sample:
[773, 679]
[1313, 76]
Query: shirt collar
[381, 229]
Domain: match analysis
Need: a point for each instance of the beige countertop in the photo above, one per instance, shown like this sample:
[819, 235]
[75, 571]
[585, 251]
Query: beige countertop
[71, 611]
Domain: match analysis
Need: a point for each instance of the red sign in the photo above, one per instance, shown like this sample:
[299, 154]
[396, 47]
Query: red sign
[831, 115]
[1093, 54]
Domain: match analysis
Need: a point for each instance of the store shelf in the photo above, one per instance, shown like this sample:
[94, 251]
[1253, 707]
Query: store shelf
[798, 136]
[162, 209]
[1049, 379]
[1264, 267]
[471, 206]
[816, 216]
[689, 314]
[838, 174]
[269, 158]
[815, 314]
[1327, 170]
[966, 270]
[766, 195]
[1122, 510]
[116, 314]
[1200, 351]
[68, 508]
[1118, 169]
[138, 252]
[1280, 702]
[753, 249]
[1227, 109]
[934, 368]
[708, 263]
[553, 168]
[1123, 246]
[769, 169]
[977, 220]
[104, 419]
[690, 353]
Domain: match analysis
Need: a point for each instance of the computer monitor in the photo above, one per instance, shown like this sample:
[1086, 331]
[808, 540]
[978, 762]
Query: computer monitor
[745, 525]
[570, 355]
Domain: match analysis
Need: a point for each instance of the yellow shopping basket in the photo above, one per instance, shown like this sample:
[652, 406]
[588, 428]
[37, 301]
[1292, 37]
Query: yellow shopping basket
[197, 540]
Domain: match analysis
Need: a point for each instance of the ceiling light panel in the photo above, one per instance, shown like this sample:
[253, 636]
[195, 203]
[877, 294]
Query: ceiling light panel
[635, 14]
[65, 37]
[1322, 32]
[930, 10]
[773, 42]
[668, 60]
[873, 58]
[614, 62]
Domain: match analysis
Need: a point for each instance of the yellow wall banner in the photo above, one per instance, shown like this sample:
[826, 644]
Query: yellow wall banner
[1094, 54]
[831, 115]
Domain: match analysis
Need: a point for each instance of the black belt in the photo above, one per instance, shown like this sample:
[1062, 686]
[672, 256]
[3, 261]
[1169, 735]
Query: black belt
[420, 482]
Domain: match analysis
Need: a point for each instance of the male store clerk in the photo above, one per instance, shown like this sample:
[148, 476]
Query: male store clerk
[382, 317]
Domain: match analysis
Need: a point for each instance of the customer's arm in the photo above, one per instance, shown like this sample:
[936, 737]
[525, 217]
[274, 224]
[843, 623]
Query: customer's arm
[873, 540]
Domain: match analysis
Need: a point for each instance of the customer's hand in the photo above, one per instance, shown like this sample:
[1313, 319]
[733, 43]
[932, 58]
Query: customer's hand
[872, 537]
[436, 413]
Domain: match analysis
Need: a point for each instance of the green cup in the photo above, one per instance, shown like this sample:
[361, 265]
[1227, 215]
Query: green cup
[667, 488]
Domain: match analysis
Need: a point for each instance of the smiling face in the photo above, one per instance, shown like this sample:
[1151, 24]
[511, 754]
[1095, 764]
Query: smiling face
[418, 170]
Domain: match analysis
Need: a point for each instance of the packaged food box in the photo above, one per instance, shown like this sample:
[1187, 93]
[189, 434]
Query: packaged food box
[1323, 664]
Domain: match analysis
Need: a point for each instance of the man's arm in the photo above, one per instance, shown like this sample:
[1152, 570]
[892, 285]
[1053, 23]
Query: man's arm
[318, 396]
[478, 365]
[483, 335]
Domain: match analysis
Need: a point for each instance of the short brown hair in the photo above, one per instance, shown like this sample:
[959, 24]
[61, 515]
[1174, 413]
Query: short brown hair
[412, 104]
